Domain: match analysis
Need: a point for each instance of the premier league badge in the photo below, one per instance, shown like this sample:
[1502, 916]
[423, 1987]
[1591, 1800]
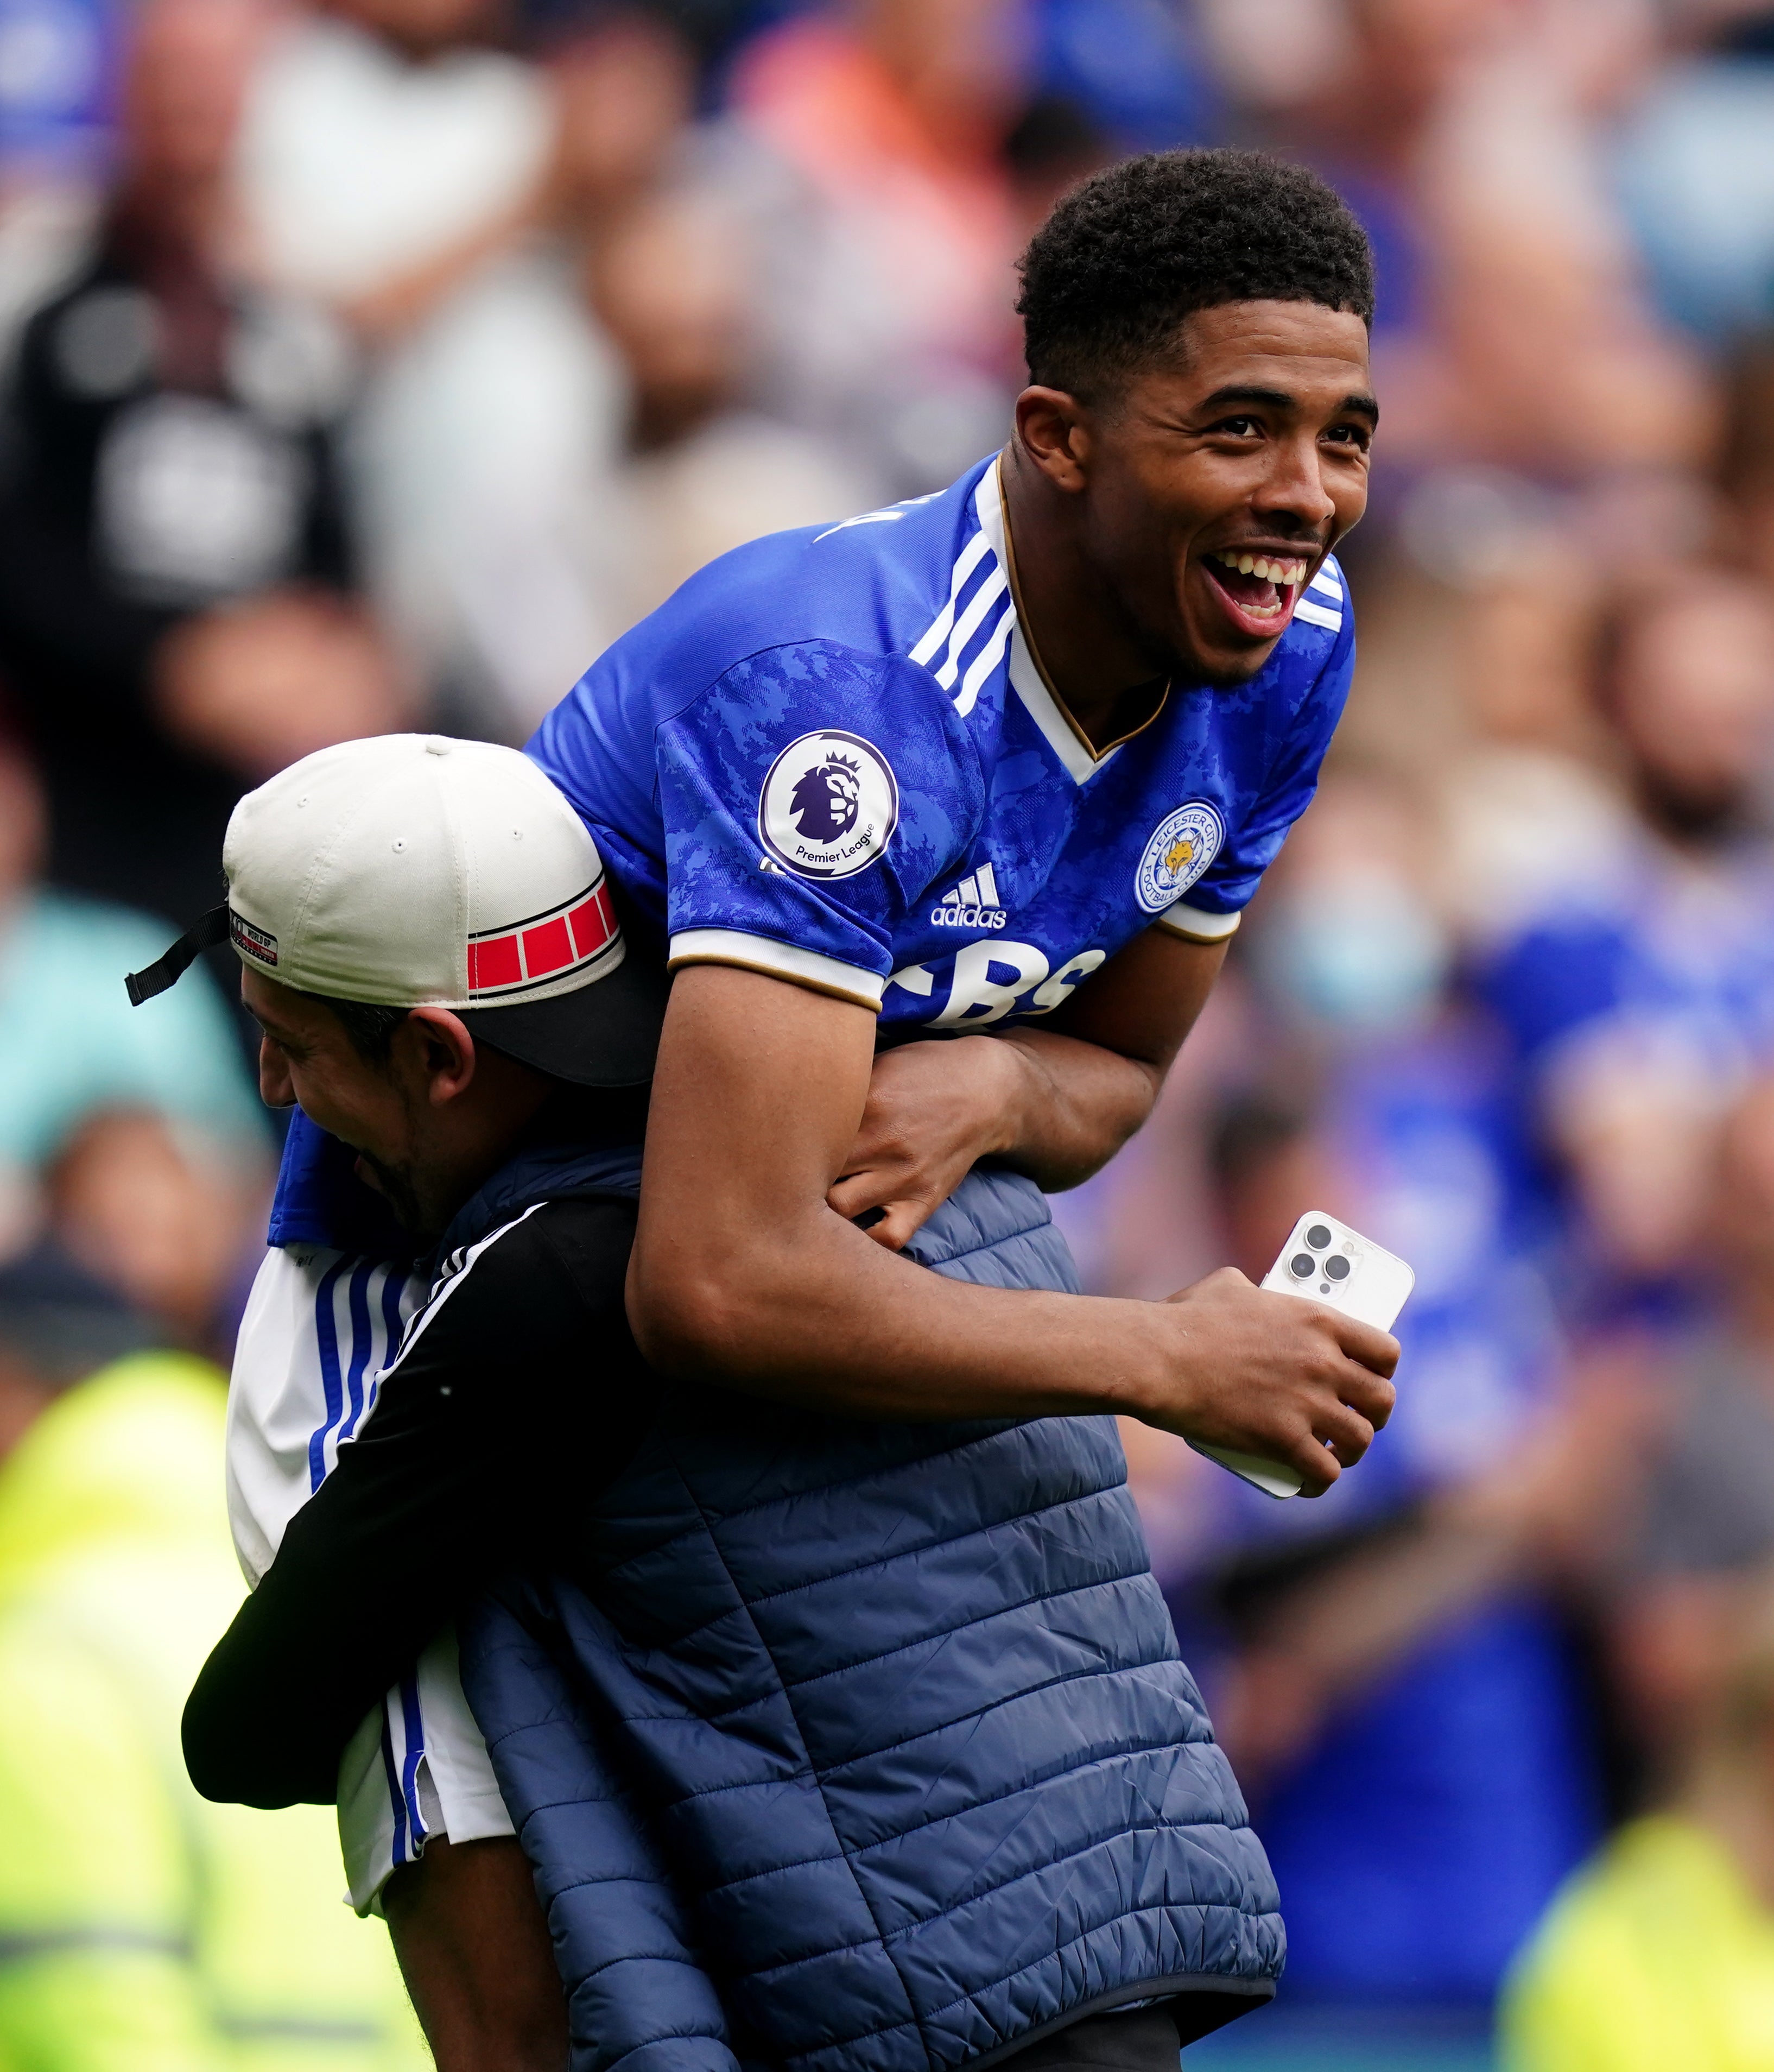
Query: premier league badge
[829, 806]
[1183, 845]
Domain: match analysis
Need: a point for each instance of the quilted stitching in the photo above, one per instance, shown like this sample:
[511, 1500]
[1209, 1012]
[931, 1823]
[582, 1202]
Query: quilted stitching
[1046, 1819]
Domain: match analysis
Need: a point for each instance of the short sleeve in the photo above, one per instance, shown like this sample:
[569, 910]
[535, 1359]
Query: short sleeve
[1211, 910]
[811, 797]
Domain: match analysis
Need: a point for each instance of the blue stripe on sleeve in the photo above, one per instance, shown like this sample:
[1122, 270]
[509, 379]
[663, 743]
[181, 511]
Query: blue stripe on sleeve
[326, 1332]
[393, 1288]
[362, 1345]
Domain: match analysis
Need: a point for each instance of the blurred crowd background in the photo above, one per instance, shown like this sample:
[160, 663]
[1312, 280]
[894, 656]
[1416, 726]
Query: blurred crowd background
[377, 366]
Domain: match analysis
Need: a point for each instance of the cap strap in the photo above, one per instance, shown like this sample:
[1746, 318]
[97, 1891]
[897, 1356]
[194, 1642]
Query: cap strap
[202, 933]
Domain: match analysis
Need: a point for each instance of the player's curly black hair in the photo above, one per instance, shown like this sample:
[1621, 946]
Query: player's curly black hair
[1127, 256]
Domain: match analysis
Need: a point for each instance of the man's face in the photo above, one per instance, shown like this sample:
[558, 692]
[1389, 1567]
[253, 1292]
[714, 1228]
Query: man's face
[1251, 449]
[306, 1059]
[1695, 702]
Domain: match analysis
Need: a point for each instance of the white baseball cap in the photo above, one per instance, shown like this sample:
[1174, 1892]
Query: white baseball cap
[414, 870]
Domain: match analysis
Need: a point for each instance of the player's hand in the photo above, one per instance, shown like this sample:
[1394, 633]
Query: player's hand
[935, 1109]
[1274, 1375]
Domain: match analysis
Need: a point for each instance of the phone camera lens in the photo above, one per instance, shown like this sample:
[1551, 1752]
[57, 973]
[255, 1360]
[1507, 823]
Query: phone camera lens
[1303, 1266]
[1336, 1269]
[1318, 1236]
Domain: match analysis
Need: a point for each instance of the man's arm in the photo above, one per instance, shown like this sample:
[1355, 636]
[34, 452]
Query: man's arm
[1055, 1101]
[526, 1371]
[744, 1274]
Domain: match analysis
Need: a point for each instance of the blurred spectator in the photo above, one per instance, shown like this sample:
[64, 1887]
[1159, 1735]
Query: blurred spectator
[1514, 329]
[1133, 69]
[59, 62]
[1698, 180]
[1547, 358]
[1349, 939]
[58, 82]
[256, 685]
[1705, 1519]
[1660, 1953]
[389, 146]
[70, 1041]
[1399, 1702]
[142, 1929]
[1746, 460]
[157, 1211]
[1641, 993]
[397, 164]
[1395, 1686]
[168, 449]
[1052, 146]
[706, 475]
[887, 227]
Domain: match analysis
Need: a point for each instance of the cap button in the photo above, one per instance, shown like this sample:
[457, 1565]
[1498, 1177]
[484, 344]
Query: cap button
[436, 747]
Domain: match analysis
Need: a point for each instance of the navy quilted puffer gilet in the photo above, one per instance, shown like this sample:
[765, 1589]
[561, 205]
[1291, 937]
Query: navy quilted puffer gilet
[866, 1748]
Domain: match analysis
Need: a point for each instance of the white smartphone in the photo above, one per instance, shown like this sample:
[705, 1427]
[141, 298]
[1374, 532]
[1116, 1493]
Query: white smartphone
[1325, 1261]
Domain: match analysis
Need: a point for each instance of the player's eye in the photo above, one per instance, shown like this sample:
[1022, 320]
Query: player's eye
[1359, 437]
[1240, 427]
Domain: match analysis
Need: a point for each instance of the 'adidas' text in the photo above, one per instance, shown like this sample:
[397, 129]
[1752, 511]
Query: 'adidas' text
[973, 903]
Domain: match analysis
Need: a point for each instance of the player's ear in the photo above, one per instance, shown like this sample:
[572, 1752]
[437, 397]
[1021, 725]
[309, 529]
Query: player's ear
[1050, 427]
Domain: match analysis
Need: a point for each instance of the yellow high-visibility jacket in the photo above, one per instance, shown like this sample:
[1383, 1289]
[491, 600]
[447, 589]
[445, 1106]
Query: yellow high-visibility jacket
[1656, 1957]
[142, 1929]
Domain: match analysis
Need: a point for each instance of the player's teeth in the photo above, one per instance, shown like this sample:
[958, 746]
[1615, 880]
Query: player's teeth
[1246, 564]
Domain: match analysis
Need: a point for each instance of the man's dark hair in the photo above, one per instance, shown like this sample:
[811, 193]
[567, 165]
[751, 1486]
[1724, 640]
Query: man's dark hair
[1125, 257]
[369, 1029]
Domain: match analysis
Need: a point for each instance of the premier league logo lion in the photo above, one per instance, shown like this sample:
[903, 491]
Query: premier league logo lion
[828, 806]
[826, 801]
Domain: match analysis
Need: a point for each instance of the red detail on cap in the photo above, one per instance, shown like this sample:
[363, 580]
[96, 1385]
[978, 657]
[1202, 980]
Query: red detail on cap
[494, 963]
[547, 948]
[593, 924]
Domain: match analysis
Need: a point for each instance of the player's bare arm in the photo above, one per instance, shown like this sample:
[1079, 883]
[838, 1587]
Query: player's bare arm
[1056, 1102]
[742, 1273]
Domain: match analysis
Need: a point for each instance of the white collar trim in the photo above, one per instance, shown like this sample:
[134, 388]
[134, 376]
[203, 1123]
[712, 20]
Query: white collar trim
[1079, 764]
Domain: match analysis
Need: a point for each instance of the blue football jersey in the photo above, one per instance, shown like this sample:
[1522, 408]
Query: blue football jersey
[832, 757]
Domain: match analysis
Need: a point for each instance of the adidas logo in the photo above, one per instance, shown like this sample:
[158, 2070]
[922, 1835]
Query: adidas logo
[973, 903]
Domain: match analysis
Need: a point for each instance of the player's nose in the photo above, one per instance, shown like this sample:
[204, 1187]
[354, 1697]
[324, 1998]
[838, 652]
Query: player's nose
[1295, 484]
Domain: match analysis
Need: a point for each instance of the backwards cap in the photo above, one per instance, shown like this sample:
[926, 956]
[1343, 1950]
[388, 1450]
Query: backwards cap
[414, 870]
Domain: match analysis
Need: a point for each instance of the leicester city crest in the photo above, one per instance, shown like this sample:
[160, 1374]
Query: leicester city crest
[829, 806]
[1183, 845]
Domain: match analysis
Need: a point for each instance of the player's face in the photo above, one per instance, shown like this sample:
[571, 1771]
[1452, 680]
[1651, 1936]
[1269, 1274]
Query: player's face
[1215, 488]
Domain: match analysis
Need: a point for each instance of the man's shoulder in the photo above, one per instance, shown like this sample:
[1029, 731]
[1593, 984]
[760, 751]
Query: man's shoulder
[872, 584]
[541, 1272]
